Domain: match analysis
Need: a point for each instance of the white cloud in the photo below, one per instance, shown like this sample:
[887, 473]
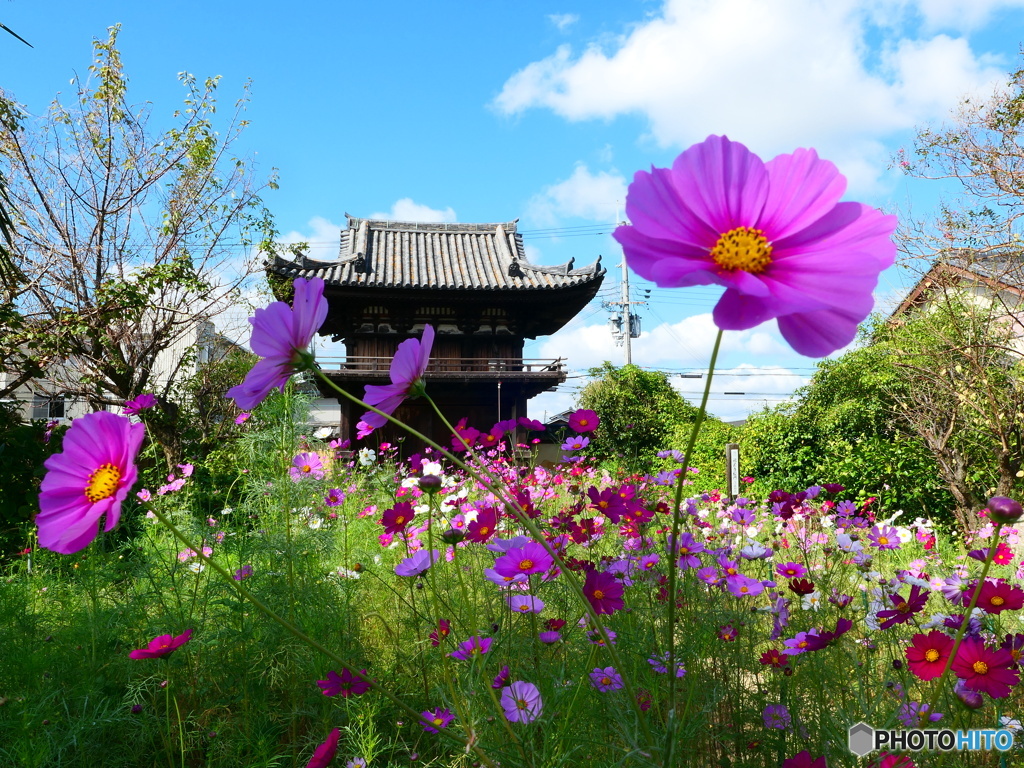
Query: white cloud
[595, 196]
[958, 14]
[773, 75]
[322, 235]
[407, 209]
[563, 20]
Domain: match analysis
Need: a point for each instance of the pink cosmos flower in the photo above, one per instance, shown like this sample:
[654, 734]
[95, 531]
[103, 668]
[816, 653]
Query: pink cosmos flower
[335, 497]
[773, 234]
[346, 684]
[606, 679]
[522, 702]
[325, 752]
[407, 369]
[525, 604]
[160, 646]
[280, 335]
[243, 573]
[89, 478]
[242, 418]
[584, 420]
[140, 403]
[306, 465]
[530, 558]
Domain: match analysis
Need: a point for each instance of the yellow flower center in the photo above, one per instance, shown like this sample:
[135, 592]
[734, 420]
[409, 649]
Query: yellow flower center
[981, 667]
[598, 594]
[883, 540]
[102, 483]
[484, 530]
[438, 720]
[524, 608]
[602, 504]
[931, 655]
[306, 468]
[584, 422]
[399, 520]
[521, 703]
[802, 644]
[997, 600]
[743, 248]
[525, 565]
[744, 588]
[606, 680]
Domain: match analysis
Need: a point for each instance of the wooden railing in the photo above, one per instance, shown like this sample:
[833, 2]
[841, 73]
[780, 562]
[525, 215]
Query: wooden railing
[447, 365]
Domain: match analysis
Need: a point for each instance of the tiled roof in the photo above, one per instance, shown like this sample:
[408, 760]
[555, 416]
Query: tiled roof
[390, 254]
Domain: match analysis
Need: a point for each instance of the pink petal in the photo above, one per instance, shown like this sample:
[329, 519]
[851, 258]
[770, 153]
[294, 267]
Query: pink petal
[655, 208]
[667, 263]
[722, 182]
[819, 333]
[802, 189]
[272, 331]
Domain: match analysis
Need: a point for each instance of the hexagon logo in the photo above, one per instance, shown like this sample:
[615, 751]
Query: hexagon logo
[861, 739]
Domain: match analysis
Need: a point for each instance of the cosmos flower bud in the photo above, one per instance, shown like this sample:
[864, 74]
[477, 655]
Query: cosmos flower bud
[430, 483]
[453, 536]
[970, 699]
[1004, 510]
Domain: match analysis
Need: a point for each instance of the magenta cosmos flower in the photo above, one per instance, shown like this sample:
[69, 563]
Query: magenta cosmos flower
[433, 721]
[584, 420]
[140, 403]
[88, 479]
[985, 670]
[325, 752]
[346, 684]
[160, 646]
[280, 335]
[522, 702]
[407, 369]
[603, 592]
[773, 234]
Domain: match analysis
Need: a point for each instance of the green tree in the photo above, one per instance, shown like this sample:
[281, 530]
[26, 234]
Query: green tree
[125, 236]
[639, 410]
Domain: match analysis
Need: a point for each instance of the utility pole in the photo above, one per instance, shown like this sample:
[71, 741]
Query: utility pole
[624, 323]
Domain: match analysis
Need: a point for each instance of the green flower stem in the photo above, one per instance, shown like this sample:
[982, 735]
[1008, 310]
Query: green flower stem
[673, 569]
[963, 625]
[302, 636]
[493, 485]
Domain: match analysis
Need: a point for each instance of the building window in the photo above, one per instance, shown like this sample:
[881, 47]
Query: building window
[46, 408]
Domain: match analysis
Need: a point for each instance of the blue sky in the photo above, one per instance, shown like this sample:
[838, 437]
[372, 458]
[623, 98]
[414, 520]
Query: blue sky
[543, 111]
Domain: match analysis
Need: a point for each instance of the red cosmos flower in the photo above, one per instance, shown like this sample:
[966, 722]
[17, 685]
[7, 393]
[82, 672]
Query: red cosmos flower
[395, 519]
[927, 654]
[481, 529]
[773, 657]
[444, 628]
[160, 646]
[607, 502]
[346, 684]
[603, 592]
[1015, 645]
[1000, 596]
[988, 670]
[904, 608]
[583, 420]
[801, 586]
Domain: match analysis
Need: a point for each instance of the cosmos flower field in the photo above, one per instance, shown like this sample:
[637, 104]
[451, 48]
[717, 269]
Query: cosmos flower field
[294, 601]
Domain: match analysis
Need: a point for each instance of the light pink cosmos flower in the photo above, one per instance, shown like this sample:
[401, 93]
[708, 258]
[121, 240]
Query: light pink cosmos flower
[280, 335]
[522, 702]
[88, 479]
[773, 234]
[305, 466]
[407, 369]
